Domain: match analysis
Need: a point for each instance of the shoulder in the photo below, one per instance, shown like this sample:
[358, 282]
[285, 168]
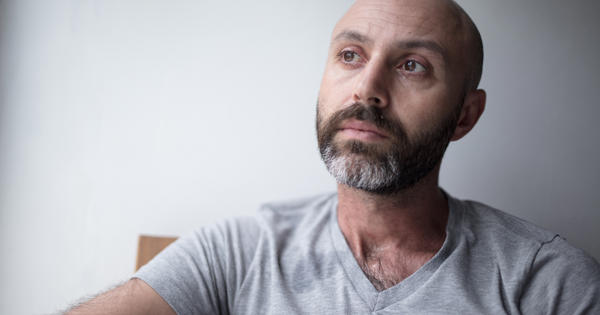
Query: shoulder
[496, 228]
[282, 220]
[295, 210]
[236, 239]
[487, 220]
[553, 276]
[202, 271]
[562, 279]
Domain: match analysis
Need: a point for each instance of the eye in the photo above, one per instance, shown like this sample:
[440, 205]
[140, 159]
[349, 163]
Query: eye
[348, 56]
[413, 66]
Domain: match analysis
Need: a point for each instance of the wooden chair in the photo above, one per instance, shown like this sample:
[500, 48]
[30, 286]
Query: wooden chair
[150, 246]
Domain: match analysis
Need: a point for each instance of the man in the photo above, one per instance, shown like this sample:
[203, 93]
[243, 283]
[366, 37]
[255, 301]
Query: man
[400, 83]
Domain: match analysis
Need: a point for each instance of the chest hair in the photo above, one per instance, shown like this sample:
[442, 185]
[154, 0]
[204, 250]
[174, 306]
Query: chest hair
[385, 271]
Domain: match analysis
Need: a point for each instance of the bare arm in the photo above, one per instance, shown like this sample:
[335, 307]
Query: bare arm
[133, 297]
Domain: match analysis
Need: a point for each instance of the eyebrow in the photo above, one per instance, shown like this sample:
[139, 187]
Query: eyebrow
[354, 36]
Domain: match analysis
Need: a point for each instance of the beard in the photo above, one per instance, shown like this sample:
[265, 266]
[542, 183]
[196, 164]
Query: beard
[385, 167]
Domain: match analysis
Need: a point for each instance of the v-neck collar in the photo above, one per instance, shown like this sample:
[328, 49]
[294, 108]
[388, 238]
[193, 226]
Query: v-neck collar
[378, 300]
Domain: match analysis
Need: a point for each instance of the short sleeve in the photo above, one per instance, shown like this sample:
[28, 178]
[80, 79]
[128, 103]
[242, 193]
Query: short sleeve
[200, 272]
[562, 280]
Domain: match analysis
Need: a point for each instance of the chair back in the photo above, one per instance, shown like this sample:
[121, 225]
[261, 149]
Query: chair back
[149, 246]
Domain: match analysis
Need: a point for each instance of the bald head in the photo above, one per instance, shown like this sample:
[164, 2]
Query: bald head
[473, 46]
[441, 16]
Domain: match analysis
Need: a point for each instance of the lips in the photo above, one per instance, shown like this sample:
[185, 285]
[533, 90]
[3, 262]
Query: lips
[356, 126]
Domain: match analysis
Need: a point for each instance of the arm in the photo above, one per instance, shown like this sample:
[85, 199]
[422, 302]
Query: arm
[196, 275]
[133, 297]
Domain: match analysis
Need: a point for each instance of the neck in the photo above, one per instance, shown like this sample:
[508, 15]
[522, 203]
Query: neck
[412, 221]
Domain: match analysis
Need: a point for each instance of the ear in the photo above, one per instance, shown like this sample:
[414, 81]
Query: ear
[472, 109]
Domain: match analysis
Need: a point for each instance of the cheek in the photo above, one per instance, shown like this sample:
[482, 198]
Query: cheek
[423, 109]
[333, 96]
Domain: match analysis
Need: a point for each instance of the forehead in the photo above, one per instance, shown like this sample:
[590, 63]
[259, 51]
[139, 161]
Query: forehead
[383, 20]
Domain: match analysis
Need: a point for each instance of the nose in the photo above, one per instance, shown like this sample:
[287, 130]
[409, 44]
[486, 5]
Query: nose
[371, 85]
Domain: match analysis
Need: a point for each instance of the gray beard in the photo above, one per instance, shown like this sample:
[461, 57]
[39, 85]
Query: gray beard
[374, 169]
[361, 173]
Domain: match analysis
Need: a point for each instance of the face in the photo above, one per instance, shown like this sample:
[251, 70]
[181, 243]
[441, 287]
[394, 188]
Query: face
[392, 92]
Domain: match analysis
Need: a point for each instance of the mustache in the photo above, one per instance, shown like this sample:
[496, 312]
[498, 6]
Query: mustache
[371, 114]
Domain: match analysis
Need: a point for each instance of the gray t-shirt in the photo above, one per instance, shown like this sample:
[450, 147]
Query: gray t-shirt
[291, 258]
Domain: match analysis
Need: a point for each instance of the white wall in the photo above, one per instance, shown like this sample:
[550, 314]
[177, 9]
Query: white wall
[126, 117]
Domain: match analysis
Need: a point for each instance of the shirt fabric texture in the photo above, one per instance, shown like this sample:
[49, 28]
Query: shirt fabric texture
[292, 258]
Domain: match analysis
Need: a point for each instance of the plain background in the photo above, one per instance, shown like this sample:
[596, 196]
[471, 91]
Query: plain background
[126, 117]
